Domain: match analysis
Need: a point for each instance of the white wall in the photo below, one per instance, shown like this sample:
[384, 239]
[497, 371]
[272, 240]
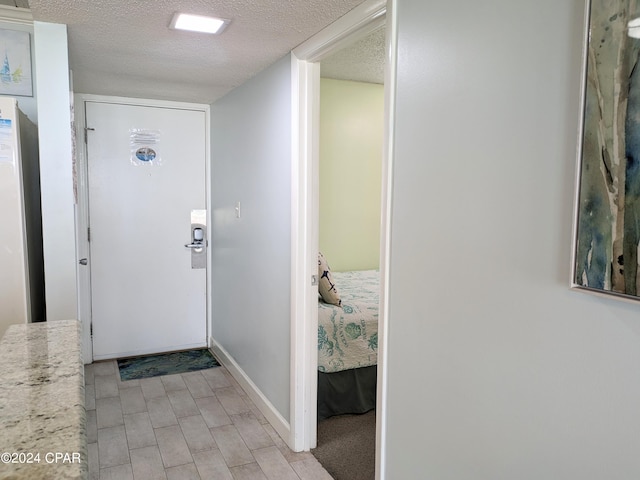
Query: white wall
[56, 169]
[14, 279]
[496, 369]
[350, 173]
[251, 265]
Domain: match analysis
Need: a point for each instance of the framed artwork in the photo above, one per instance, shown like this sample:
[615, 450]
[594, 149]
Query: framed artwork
[15, 55]
[607, 218]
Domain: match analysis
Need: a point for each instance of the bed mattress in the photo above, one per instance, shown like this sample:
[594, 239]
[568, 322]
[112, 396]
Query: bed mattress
[348, 334]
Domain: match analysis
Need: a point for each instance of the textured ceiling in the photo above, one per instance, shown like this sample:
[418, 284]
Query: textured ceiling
[125, 48]
[361, 62]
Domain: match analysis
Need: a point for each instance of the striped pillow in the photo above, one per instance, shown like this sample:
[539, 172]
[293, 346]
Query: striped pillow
[326, 284]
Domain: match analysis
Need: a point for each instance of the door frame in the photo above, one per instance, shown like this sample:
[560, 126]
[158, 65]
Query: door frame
[82, 202]
[356, 24]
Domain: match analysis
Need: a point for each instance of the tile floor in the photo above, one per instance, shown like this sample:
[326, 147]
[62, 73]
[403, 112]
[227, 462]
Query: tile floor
[197, 425]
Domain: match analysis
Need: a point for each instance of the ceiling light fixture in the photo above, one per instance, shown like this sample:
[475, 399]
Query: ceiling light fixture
[633, 28]
[198, 23]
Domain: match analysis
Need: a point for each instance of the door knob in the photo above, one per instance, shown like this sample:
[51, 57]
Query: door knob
[82, 261]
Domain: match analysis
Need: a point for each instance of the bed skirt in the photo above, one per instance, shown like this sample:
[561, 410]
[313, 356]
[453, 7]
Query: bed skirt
[347, 392]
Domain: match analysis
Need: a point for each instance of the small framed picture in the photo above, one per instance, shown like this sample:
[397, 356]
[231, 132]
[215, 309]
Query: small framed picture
[607, 229]
[15, 58]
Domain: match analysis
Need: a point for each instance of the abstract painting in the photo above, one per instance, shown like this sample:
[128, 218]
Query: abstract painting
[15, 55]
[607, 230]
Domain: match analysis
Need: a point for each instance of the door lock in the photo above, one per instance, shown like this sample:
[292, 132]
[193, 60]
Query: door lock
[198, 245]
[198, 238]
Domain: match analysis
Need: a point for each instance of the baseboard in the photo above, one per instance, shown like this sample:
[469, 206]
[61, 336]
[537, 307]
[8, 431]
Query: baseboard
[274, 417]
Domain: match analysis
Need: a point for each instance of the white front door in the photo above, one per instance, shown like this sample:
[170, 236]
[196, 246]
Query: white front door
[146, 174]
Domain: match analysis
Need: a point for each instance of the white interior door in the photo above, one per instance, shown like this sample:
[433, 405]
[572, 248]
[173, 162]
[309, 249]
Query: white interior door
[145, 295]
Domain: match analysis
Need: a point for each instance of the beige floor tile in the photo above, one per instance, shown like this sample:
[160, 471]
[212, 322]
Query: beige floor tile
[182, 403]
[124, 384]
[109, 412]
[256, 412]
[139, 430]
[92, 427]
[231, 445]
[147, 464]
[107, 367]
[310, 469]
[197, 385]
[160, 412]
[90, 397]
[93, 461]
[173, 382]
[183, 472]
[106, 386]
[290, 455]
[273, 464]
[216, 378]
[211, 464]
[234, 383]
[121, 472]
[196, 433]
[192, 423]
[173, 446]
[88, 374]
[251, 431]
[250, 471]
[132, 400]
[233, 403]
[152, 387]
[212, 411]
[112, 446]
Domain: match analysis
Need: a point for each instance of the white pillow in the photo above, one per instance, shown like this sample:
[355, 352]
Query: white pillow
[326, 284]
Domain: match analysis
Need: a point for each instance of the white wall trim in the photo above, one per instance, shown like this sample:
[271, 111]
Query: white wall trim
[21, 16]
[385, 239]
[304, 220]
[145, 102]
[353, 26]
[82, 225]
[53, 105]
[82, 210]
[304, 241]
[272, 415]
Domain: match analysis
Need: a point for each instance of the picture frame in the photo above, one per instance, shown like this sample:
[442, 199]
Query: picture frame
[606, 250]
[15, 63]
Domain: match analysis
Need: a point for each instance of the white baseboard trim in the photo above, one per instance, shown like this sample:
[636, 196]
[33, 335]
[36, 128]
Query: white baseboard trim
[272, 415]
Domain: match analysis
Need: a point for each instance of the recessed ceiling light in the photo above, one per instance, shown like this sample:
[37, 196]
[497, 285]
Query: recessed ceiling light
[634, 28]
[198, 23]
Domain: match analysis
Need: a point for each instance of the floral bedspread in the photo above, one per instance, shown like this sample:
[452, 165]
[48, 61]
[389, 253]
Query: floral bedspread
[348, 335]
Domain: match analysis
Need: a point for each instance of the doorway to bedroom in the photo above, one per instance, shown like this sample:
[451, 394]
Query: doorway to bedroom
[350, 174]
[306, 87]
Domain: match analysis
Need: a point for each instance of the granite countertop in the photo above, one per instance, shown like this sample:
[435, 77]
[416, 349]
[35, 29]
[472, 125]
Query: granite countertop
[42, 414]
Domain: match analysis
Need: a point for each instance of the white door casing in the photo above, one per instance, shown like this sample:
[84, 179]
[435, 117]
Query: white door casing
[356, 24]
[145, 297]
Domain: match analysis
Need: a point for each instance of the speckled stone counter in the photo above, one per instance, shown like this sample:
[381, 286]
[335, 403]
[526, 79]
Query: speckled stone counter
[42, 414]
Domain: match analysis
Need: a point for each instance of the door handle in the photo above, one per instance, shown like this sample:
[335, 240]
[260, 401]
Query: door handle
[198, 243]
[82, 261]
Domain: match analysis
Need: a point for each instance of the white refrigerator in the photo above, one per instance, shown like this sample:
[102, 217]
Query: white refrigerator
[21, 259]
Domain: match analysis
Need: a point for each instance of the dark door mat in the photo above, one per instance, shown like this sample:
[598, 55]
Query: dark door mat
[166, 364]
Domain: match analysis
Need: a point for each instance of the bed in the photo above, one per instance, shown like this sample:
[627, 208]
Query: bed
[348, 345]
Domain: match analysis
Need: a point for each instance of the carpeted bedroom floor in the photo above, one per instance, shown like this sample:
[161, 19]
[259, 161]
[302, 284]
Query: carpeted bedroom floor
[347, 446]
